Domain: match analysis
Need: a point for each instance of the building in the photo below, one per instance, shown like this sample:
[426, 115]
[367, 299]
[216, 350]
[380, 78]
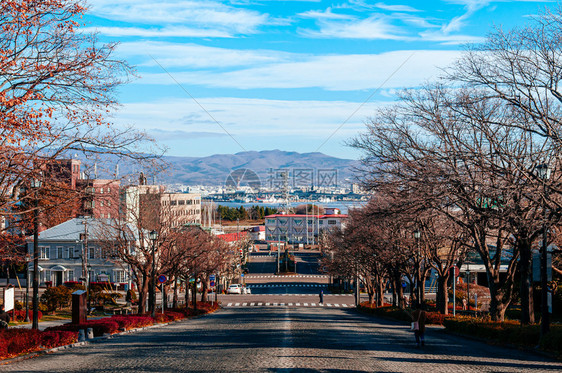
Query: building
[301, 229]
[69, 250]
[99, 198]
[152, 207]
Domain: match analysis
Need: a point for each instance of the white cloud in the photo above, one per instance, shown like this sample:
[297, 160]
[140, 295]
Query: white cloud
[245, 118]
[195, 56]
[333, 72]
[396, 8]
[159, 32]
[204, 14]
[372, 28]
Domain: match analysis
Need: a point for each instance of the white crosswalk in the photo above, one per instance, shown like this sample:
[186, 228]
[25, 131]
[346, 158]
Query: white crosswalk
[325, 294]
[281, 276]
[286, 286]
[309, 305]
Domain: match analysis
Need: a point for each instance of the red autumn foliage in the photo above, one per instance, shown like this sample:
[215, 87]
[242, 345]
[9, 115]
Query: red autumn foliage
[14, 342]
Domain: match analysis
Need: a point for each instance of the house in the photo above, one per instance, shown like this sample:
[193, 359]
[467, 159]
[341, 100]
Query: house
[80, 250]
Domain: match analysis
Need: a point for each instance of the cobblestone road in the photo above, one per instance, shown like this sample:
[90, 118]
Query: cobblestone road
[285, 340]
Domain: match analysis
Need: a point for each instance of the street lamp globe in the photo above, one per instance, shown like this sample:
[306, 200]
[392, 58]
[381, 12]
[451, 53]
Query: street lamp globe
[417, 234]
[153, 235]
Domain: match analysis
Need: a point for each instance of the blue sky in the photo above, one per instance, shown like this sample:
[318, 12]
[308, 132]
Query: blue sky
[229, 76]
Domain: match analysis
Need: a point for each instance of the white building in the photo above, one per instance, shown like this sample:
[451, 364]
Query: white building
[304, 229]
[67, 249]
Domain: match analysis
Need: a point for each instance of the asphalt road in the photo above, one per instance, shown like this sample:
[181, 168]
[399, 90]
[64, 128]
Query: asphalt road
[285, 340]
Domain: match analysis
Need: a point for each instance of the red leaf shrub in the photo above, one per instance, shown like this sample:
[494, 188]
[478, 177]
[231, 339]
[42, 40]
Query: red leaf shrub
[132, 321]
[432, 318]
[100, 327]
[174, 315]
[20, 315]
[14, 342]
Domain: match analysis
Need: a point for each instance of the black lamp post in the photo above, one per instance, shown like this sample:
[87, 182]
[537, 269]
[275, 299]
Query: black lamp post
[35, 185]
[543, 172]
[27, 260]
[417, 235]
[153, 235]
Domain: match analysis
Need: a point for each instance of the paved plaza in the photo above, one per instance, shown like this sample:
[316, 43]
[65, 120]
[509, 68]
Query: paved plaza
[285, 339]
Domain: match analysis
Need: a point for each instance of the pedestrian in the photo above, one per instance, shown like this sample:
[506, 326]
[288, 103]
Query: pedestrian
[321, 296]
[418, 324]
[4, 318]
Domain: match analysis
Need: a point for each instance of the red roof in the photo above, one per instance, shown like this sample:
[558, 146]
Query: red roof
[232, 237]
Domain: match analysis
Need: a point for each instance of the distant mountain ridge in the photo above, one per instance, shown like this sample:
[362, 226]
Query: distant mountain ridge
[215, 169]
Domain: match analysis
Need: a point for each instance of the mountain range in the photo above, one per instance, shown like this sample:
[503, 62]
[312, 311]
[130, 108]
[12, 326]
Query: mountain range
[304, 168]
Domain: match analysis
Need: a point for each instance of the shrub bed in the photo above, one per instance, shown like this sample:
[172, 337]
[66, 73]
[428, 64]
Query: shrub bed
[432, 318]
[132, 321]
[14, 342]
[99, 327]
[508, 332]
[20, 315]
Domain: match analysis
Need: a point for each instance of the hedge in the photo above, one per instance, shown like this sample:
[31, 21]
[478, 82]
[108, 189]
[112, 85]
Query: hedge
[99, 327]
[15, 341]
[508, 332]
[432, 318]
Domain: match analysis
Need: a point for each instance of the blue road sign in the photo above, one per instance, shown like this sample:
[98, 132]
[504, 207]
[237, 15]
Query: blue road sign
[162, 279]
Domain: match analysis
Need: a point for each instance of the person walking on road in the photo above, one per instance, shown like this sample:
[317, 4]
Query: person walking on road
[321, 296]
[4, 318]
[418, 324]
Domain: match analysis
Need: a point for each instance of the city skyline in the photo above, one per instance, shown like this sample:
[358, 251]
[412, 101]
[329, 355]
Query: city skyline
[218, 77]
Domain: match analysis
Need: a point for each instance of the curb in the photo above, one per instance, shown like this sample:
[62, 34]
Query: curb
[95, 340]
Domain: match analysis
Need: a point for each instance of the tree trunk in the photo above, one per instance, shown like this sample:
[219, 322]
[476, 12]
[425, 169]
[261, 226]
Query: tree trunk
[143, 293]
[175, 300]
[194, 294]
[442, 299]
[380, 293]
[526, 287]
[498, 304]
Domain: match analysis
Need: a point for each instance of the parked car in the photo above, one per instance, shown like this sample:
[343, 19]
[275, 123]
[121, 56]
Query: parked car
[234, 289]
[246, 290]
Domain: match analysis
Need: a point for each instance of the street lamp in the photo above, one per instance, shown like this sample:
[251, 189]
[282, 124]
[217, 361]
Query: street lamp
[417, 236]
[35, 185]
[543, 172]
[153, 235]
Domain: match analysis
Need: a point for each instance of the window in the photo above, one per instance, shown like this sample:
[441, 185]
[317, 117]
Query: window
[108, 190]
[71, 275]
[270, 221]
[91, 253]
[331, 222]
[101, 190]
[321, 222]
[43, 253]
[119, 276]
[59, 252]
[173, 203]
[101, 203]
[181, 202]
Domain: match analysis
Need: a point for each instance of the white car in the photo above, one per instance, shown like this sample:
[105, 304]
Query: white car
[234, 289]
[246, 290]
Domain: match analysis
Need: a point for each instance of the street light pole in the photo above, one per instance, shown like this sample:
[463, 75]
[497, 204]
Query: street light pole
[543, 172]
[153, 238]
[35, 185]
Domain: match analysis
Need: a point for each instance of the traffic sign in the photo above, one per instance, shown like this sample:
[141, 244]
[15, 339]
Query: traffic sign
[162, 279]
[212, 278]
[212, 283]
[242, 275]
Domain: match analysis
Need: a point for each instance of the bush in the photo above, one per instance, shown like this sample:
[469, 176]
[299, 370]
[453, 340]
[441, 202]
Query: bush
[56, 297]
[14, 342]
[20, 315]
[432, 318]
[510, 332]
[132, 321]
[100, 327]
